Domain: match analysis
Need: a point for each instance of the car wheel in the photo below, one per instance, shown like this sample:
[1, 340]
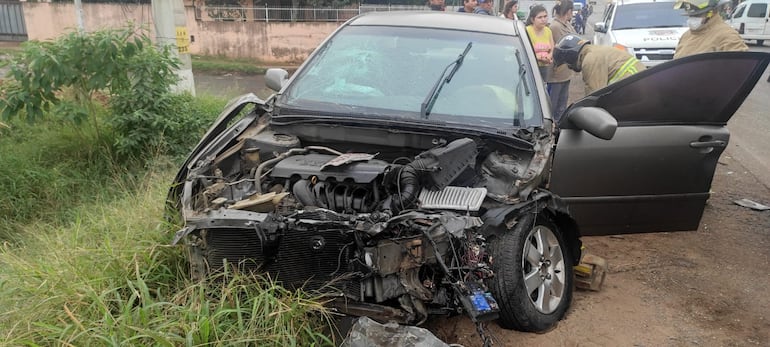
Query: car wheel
[533, 280]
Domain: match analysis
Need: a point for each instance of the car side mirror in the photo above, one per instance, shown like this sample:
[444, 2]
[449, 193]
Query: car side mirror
[276, 78]
[600, 27]
[594, 120]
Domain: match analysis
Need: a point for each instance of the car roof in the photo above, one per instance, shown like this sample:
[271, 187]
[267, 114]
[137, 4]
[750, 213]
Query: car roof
[438, 20]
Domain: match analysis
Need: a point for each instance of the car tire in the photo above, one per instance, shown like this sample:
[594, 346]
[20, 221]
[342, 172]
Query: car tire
[533, 292]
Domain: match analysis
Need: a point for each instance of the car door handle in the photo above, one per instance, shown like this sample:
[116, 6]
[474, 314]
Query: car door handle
[707, 144]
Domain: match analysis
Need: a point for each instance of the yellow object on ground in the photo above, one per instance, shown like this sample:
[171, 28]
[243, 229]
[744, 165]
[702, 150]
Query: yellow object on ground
[590, 273]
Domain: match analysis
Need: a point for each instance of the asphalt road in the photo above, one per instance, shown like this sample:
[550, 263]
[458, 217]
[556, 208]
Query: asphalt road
[749, 127]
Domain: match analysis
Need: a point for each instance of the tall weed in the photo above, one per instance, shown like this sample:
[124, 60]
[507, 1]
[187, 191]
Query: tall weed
[47, 169]
[108, 278]
[84, 257]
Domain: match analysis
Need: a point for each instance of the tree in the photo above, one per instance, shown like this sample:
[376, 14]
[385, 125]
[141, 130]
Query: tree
[68, 78]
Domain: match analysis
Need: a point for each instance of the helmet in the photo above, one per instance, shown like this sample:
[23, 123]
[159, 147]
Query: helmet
[697, 8]
[567, 51]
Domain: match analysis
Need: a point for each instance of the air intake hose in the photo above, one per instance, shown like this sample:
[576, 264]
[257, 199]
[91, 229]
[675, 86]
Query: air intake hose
[407, 189]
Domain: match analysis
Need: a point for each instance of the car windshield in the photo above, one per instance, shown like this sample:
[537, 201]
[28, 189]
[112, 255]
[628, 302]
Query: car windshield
[388, 72]
[648, 15]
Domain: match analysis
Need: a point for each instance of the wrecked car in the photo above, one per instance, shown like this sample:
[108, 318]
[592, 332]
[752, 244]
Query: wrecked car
[410, 167]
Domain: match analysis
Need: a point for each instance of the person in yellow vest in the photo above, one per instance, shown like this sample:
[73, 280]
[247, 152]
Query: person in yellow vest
[600, 65]
[708, 32]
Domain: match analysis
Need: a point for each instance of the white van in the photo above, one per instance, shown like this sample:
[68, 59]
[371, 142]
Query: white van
[648, 29]
[751, 19]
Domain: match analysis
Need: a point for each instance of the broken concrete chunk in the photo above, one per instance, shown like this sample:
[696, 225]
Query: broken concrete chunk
[368, 333]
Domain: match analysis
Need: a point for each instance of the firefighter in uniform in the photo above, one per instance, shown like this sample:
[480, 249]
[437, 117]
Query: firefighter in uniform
[600, 65]
[708, 32]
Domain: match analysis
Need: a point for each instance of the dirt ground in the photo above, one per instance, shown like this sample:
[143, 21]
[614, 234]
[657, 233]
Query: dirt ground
[699, 288]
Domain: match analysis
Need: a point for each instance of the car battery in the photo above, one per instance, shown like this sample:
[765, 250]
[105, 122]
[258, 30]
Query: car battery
[478, 302]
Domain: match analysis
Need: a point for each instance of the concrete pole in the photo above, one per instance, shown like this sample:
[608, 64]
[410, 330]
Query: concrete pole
[171, 29]
[79, 15]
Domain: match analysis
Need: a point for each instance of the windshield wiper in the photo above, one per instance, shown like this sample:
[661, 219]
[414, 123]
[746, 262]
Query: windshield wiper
[522, 72]
[518, 117]
[427, 104]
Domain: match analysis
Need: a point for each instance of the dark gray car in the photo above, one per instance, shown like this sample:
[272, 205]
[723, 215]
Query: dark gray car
[407, 169]
[655, 173]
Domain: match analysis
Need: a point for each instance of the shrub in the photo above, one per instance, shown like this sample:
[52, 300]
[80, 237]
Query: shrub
[173, 132]
[70, 77]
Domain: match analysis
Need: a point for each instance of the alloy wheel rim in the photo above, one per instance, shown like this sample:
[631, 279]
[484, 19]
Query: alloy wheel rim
[544, 269]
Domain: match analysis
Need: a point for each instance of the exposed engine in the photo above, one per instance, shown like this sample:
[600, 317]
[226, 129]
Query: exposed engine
[393, 237]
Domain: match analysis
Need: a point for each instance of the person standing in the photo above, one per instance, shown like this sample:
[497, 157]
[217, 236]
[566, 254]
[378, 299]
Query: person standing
[580, 23]
[559, 76]
[600, 65]
[468, 6]
[542, 38]
[708, 32]
[484, 7]
[436, 5]
[510, 9]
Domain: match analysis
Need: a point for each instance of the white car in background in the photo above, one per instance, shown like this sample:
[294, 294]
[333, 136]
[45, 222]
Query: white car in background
[752, 20]
[648, 29]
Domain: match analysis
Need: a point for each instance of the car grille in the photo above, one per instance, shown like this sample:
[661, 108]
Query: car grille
[655, 56]
[312, 260]
[236, 247]
[316, 260]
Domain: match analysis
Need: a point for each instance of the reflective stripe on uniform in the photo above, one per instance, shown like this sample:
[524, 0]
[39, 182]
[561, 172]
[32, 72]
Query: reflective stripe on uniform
[628, 68]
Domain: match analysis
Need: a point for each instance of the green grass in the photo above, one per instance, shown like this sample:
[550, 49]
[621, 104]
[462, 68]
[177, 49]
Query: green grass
[108, 278]
[85, 261]
[9, 50]
[217, 64]
[48, 168]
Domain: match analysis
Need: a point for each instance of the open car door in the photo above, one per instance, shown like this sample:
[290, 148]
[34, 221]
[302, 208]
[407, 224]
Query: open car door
[655, 173]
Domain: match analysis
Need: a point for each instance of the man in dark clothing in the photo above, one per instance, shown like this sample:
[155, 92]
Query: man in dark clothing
[580, 24]
[484, 7]
[468, 6]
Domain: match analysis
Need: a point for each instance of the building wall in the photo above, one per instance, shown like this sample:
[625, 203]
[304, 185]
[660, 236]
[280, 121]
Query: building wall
[273, 42]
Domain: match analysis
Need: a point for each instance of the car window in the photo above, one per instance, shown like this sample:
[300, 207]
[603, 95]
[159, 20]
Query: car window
[608, 15]
[389, 71]
[757, 11]
[680, 93]
[739, 11]
[648, 15]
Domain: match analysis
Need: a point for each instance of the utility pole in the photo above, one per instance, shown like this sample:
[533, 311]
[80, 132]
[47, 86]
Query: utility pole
[171, 29]
[79, 16]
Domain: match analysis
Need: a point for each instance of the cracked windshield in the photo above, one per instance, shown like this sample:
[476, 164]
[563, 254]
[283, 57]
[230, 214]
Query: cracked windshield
[392, 72]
